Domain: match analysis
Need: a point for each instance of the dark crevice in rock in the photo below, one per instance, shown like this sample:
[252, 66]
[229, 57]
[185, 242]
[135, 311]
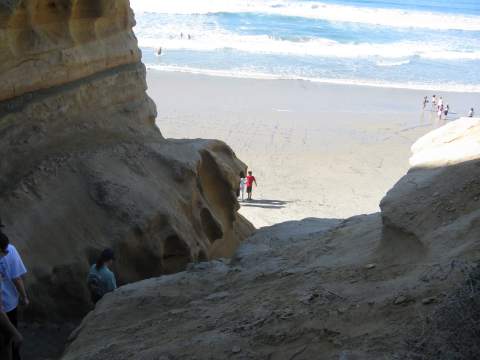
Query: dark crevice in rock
[211, 227]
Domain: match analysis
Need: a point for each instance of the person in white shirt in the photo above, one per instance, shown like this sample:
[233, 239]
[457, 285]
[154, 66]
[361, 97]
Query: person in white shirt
[471, 113]
[440, 103]
[440, 111]
[243, 182]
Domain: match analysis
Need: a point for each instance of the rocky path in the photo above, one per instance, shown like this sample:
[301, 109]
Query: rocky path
[314, 289]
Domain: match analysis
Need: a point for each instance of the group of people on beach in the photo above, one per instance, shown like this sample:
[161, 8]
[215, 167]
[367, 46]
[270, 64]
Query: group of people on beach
[440, 108]
[246, 183]
[100, 281]
[182, 36]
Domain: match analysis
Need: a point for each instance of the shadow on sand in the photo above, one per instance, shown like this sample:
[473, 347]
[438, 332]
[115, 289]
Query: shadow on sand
[265, 204]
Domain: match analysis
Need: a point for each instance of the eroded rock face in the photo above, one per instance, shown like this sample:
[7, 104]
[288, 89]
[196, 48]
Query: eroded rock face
[44, 43]
[84, 166]
[311, 289]
[441, 192]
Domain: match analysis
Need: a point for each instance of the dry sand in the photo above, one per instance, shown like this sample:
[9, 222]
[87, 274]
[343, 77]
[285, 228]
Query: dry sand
[317, 150]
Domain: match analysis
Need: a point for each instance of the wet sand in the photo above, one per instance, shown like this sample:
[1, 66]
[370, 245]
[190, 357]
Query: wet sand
[317, 150]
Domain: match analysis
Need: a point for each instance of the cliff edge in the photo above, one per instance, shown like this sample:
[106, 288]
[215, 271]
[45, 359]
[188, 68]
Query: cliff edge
[369, 287]
[84, 166]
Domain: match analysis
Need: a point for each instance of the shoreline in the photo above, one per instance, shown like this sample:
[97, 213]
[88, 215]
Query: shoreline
[457, 88]
[317, 150]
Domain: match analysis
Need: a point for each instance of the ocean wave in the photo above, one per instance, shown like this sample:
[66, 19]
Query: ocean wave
[319, 47]
[389, 63]
[242, 74]
[316, 10]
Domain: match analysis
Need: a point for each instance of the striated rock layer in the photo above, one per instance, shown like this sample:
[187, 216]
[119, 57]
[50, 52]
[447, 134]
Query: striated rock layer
[314, 289]
[84, 166]
[44, 43]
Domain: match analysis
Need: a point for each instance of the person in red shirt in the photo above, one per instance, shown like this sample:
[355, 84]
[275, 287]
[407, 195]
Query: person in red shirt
[250, 181]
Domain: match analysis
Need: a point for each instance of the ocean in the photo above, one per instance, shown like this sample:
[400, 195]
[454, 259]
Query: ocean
[421, 44]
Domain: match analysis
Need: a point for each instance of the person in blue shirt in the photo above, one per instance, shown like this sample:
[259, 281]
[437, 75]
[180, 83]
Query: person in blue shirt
[11, 268]
[101, 279]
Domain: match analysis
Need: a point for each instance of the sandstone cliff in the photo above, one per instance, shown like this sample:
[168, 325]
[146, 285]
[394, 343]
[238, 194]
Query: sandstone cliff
[441, 192]
[315, 289]
[84, 166]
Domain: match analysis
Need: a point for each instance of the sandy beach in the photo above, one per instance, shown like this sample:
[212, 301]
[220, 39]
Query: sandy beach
[317, 150]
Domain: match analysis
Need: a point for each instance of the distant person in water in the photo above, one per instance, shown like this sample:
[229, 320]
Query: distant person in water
[434, 102]
[159, 51]
[101, 279]
[9, 269]
[242, 184]
[425, 102]
[471, 113]
[250, 181]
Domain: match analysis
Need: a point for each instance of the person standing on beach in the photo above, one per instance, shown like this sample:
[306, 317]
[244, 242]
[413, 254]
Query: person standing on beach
[471, 113]
[243, 182]
[434, 102]
[446, 111]
[250, 181]
[440, 103]
[440, 111]
[13, 289]
[425, 102]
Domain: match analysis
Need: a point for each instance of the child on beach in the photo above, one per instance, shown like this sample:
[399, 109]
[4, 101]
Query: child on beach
[470, 113]
[242, 184]
[250, 181]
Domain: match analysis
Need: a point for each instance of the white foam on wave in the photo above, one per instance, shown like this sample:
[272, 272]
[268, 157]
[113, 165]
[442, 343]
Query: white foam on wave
[390, 63]
[242, 74]
[262, 44]
[315, 10]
